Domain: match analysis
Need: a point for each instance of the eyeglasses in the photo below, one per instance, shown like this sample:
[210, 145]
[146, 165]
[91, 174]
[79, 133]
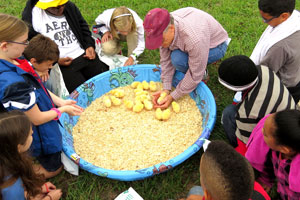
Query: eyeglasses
[23, 43]
[268, 20]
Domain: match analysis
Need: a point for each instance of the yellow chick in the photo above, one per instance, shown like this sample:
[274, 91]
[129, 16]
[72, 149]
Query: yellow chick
[152, 88]
[139, 93]
[119, 93]
[158, 114]
[148, 105]
[128, 104]
[134, 84]
[138, 107]
[175, 107]
[140, 86]
[166, 114]
[113, 92]
[116, 101]
[145, 85]
[107, 101]
[161, 97]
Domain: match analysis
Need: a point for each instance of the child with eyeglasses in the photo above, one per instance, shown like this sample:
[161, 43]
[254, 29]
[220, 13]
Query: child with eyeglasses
[120, 24]
[22, 89]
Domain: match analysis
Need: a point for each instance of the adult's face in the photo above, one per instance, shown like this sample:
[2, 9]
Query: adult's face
[273, 20]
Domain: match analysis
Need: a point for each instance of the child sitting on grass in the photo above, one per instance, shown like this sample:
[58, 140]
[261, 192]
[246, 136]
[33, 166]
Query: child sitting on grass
[274, 151]
[17, 177]
[225, 175]
[22, 89]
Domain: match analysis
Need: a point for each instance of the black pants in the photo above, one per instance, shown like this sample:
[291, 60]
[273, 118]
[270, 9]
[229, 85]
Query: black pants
[295, 92]
[80, 70]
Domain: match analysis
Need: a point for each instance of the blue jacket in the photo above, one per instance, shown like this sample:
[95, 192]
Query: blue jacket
[20, 90]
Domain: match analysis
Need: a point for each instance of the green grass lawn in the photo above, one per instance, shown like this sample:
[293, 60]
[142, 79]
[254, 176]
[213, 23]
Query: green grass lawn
[244, 25]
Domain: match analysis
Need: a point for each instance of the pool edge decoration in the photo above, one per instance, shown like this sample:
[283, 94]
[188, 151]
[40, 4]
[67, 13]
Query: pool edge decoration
[103, 83]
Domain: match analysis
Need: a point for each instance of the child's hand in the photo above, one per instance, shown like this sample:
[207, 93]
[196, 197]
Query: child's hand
[90, 53]
[43, 75]
[107, 36]
[65, 61]
[55, 194]
[47, 187]
[129, 61]
[73, 110]
[68, 102]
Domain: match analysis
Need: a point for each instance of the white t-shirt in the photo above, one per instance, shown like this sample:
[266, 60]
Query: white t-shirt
[104, 18]
[58, 29]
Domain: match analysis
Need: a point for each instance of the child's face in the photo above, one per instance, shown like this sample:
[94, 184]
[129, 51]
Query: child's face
[268, 132]
[125, 31]
[24, 147]
[15, 48]
[43, 66]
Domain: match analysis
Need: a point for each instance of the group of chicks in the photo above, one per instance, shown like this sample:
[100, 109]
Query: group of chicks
[142, 99]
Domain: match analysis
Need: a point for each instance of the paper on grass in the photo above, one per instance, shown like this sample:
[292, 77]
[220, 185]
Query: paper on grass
[129, 194]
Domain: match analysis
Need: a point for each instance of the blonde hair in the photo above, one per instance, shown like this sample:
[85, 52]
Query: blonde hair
[122, 22]
[11, 27]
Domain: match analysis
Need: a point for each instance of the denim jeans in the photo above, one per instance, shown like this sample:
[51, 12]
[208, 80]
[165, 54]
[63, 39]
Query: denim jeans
[229, 123]
[180, 59]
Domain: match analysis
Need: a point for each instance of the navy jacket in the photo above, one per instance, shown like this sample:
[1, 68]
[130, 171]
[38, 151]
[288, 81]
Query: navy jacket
[20, 90]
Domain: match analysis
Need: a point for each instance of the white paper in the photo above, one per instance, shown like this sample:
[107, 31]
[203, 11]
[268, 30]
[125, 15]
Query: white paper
[129, 194]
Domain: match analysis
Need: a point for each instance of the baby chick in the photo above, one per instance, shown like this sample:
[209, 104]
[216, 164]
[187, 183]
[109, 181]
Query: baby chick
[119, 93]
[134, 84]
[138, 107]
[145, 85]
[175, 107]
[128, 104]
[116, 101]
[107, 101]
[166, 114]
[140, 86]
[148, 104]
[161, 97]
[158, 114]
[152, 86]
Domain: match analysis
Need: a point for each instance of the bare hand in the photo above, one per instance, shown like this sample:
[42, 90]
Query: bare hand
[129, 61]
[65, 61]
[107, 36]
[90, 53]
[55, 194]
[165, 103]
[155, 97]
[43, 75]
[73, 110]
[50, 187]
[68, 102]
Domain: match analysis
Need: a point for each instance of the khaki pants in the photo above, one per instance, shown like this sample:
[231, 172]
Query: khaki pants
[113, 47]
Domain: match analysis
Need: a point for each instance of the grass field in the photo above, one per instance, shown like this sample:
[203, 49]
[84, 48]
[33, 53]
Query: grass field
[244, 25]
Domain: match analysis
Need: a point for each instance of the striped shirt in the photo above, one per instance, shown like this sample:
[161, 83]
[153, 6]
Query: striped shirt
[195, 33]
[269, 95]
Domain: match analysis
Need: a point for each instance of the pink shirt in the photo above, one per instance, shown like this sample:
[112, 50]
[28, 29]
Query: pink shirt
[195, 33]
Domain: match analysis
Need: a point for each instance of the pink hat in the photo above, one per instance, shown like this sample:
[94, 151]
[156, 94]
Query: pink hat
[156, 21]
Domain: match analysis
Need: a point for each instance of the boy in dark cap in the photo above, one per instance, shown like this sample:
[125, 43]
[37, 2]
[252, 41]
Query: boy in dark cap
[262, 94]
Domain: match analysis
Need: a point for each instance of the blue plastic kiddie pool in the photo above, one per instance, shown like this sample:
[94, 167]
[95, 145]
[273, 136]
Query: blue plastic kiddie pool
[119, 77]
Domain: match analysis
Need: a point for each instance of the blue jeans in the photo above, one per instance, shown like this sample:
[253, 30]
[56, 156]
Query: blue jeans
[229, 123]
[180, 59]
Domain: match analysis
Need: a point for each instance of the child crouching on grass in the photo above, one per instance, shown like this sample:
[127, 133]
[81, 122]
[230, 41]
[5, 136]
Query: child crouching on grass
[120, 24]
[274, 151]
[22, 89]
[17, 177]
[225, 175]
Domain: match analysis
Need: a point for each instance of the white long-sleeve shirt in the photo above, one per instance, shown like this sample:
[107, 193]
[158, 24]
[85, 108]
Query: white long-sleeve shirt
[104, 18]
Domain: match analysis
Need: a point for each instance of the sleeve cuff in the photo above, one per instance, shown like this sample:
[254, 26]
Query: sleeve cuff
[167, 85]
[176, 95]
